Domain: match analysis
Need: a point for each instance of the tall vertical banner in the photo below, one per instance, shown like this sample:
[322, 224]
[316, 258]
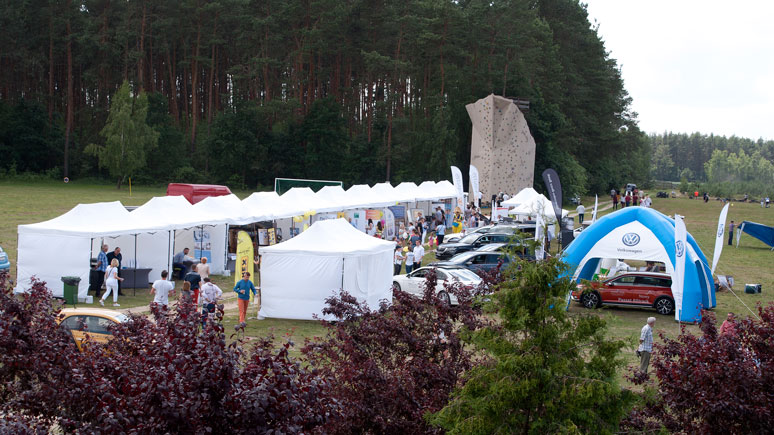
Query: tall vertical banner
[540, 237]
[474, 186]
[678, 278]
[244, 260]
[719, 237]
[594, 214]
[554, 187]
[457, 180]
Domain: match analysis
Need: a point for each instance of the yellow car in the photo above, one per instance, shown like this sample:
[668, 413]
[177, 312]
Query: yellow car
[91, 321]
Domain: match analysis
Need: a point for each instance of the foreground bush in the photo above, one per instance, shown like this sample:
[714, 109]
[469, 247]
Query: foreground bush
[153, 377]
[392, 366]
[712, 383]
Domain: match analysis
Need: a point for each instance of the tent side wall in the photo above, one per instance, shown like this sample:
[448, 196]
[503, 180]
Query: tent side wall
[217, 242]
[369, 277]
[49, 257]
[295, 286]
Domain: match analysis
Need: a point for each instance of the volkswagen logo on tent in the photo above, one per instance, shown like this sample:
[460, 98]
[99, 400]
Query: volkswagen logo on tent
[631, 239]
[679, 248]
[721, 228]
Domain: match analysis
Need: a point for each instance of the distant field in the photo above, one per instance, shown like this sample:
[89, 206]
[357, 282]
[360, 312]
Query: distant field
[23, 203]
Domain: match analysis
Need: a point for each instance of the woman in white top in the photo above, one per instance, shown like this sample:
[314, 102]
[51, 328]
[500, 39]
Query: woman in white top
[111, 282]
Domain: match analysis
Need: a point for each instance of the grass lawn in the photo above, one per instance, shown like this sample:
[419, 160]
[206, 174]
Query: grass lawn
[23, 203]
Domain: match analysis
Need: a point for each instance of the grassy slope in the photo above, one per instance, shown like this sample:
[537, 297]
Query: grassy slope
[22, 203]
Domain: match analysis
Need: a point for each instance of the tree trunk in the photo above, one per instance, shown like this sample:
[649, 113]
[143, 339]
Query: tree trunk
[69, 116]
[172, 88]
[141, 57]
[195, 87]
[50, 66]
[211, 78]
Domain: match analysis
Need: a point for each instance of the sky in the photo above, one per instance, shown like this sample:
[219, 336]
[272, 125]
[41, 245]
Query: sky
[694, 66]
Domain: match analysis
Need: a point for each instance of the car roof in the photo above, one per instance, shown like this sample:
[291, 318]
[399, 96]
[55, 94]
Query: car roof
[651, 274]
[111, 314]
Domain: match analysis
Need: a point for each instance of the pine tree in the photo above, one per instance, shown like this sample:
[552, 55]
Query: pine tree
[548, 372]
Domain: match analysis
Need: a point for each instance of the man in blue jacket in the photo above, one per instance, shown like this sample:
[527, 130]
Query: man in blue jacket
[243, 289]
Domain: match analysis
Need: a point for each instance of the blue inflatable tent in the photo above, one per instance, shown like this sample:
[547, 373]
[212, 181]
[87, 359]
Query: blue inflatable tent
[761, 232]
[640, 233]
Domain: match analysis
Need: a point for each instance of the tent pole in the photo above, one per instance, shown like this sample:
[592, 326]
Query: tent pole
[342, 273]
[169, 247]
[134, 289]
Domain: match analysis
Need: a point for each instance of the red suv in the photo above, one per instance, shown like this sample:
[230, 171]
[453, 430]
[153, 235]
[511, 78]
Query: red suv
[638, 289]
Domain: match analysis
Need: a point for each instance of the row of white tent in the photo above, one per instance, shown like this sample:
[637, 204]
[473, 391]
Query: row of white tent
[151, 234]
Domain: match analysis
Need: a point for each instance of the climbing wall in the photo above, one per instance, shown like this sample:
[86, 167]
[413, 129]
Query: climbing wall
[502, 147]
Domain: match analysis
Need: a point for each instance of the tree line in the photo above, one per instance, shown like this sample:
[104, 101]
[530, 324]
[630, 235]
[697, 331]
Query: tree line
[713, 159]
[241, 91]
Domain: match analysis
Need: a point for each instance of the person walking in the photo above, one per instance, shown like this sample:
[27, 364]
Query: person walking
[195, 279]
[210, 295]
[646, 344]
[111, 282]
[419, 252]
[243, 289]
[581, 211]
[116, 254]
[731, 233]
[398, 257]
[614, 197]
[440, 230]
[161, 288]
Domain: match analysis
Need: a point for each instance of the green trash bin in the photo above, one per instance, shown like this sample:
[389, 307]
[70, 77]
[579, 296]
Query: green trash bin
[71, 289]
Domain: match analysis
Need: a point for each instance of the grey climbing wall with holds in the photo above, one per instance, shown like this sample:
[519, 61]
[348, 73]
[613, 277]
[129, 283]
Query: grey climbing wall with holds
[502, 147]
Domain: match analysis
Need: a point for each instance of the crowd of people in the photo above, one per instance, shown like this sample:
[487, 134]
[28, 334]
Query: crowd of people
[633, 197]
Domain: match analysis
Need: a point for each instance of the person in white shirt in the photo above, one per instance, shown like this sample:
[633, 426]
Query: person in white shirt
[398, 260]
[210, 293]
[409, 260]
[419, 252]
[162, 288]
[203, 269]
[581, 211]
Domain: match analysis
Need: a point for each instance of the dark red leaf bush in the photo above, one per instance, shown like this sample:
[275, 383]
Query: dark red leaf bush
[169, 376]
[712, 383]
[396, 364]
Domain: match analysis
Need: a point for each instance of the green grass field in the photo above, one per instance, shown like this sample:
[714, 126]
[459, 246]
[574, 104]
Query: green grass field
[23, 203]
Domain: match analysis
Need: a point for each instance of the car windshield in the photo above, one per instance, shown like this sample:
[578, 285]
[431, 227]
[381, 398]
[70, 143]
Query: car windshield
[465, 256]
[121, 318]
[464, 275]
[470, 238]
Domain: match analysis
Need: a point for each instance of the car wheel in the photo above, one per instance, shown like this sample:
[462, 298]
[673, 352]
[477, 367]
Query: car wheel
[590, 300]
[665, 306]
[444, 297]
[395, 286]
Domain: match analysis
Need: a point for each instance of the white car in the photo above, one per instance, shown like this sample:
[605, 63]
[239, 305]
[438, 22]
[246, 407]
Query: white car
[414, 282]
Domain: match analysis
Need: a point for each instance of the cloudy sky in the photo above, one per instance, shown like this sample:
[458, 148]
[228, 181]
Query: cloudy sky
[694, 66]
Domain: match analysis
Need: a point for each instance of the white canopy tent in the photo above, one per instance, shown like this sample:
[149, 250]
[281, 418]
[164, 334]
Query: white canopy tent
[526, 195]
[538, 205]
[299, 274]
[63, 246]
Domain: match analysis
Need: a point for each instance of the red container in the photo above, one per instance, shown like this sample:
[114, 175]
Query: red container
[196, 192]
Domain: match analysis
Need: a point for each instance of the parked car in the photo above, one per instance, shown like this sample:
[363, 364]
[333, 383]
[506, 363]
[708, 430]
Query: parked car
[510, 228]
[5, 263]
[523, 252]
[414, 282]
[469, 243]
[92, 321]
[476, 261]
[642, 289]
[631, 187]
